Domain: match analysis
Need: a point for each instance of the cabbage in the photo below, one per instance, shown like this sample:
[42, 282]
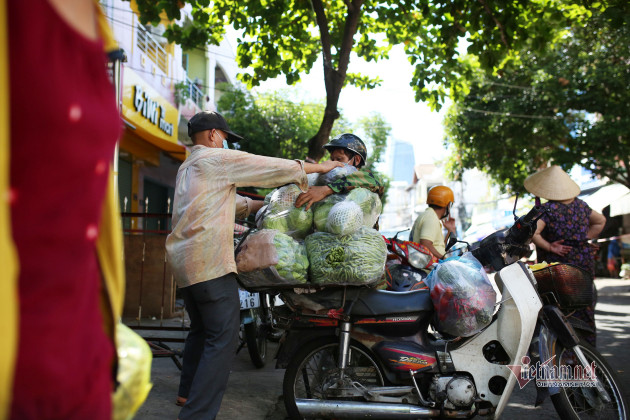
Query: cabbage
[344, 218]
[271, 258]
[369, 202]
[357, 259]
[292, 259]
[282, 215]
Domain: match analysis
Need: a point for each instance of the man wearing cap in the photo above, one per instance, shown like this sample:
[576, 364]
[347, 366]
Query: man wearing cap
[348, 149]
[200, 251]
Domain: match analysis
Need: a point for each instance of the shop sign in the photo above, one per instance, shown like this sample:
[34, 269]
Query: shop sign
[151, 110]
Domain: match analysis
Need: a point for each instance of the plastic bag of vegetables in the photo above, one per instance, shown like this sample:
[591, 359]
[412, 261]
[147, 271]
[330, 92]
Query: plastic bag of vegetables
[368, 201]
[271, 258]
[462, 296]
[335, 174]
[344, 218]
[282, 215]
[370, 204]
[357, 259]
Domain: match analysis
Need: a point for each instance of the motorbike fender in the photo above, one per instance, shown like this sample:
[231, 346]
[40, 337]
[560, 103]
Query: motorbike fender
[513, 327]
[547, 340]
[296, 339]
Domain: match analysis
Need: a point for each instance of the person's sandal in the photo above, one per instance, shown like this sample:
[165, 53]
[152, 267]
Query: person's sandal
[180, 401]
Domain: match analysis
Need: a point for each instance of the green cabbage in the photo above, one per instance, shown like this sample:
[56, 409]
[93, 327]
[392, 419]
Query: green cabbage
[292, 260]
[357, 259]
[345, 218]
[369, 202]
[282, 215]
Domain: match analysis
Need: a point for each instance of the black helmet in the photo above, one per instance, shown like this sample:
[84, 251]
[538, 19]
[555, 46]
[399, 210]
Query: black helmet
[402, 278]
[349, 142]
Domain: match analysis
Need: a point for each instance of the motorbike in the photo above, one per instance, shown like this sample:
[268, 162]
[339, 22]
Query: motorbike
[407, 264]
[365, 353]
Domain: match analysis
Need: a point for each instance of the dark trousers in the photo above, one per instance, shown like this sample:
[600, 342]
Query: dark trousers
[214, 311]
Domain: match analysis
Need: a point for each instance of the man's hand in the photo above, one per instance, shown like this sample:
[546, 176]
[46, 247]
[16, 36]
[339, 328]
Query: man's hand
[313, 195]
[329, 165]
[449, 224]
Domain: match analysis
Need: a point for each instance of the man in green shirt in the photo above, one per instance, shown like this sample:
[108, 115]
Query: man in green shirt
[350, 149]
[427, 229]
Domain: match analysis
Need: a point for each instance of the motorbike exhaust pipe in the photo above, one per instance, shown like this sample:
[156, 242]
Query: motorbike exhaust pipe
[338, 409]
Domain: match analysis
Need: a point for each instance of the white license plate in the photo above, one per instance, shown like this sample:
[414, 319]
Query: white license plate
[249, 300]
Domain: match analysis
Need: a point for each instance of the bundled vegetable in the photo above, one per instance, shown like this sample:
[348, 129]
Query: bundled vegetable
[345, 218]
[462, 295]
[335, 174]
[368, 201]
[282, 215]
[357, 259]
[271, 258]
[370, 204]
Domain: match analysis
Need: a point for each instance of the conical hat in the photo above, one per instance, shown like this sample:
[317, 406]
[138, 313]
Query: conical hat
[552, 183]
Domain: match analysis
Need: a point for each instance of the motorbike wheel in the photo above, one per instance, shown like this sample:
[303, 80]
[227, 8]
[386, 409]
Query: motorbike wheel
[313, 373]
[587, 402]
[256, 336]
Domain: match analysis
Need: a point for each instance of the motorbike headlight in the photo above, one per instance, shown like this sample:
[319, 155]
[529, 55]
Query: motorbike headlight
[417, 259]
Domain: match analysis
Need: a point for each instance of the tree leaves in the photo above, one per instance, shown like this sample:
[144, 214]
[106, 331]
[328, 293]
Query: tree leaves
[568, 105]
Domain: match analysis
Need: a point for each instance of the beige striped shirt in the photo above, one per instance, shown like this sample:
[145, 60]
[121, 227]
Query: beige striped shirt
[201, 246]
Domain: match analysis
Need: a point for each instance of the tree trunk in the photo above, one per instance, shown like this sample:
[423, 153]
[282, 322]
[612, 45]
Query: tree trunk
[333, 78]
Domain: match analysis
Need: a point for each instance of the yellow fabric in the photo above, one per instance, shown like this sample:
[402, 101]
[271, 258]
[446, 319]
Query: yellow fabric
[8, 257]
[109, 243]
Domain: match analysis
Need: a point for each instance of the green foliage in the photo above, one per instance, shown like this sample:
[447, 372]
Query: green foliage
[375, 131]
[271, 124]
[568, 105]
[285, 37]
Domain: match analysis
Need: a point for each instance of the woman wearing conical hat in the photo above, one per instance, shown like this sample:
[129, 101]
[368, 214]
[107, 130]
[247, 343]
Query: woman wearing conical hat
[566, 226]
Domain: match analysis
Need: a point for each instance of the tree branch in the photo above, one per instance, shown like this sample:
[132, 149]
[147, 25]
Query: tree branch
[496, 21]
[322, 24]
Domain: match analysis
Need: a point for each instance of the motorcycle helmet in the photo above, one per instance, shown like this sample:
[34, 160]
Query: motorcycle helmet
[402, 278]
[440, 196]
[349, 142]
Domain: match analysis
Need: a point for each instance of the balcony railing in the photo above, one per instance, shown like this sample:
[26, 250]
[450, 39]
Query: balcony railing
[152, 48]
[195, 94]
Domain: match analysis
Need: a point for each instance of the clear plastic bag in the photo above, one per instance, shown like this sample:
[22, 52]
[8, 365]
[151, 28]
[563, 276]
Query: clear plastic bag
[368, 201]
[134, 373]
[357, 259]
[370, 204]
[271, 258]
[462, 296]
[282, 215]
[335, 174]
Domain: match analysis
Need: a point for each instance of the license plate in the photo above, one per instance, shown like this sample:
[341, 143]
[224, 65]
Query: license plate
[249, 300]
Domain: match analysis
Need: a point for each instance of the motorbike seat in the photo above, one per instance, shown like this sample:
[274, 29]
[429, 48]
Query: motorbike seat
[383, 302]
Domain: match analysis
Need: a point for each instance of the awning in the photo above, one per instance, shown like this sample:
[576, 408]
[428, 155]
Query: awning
[605, 196]
[620, 206]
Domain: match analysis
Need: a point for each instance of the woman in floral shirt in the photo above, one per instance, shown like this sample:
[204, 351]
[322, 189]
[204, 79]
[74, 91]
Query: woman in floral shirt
[563, 231]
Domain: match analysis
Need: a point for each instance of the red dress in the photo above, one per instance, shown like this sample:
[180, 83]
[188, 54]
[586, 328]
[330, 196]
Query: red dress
[64, 125]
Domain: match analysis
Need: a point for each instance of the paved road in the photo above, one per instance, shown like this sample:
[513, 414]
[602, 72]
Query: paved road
[255, 394]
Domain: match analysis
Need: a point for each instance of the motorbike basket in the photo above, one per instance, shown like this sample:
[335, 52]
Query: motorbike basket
[571, 285]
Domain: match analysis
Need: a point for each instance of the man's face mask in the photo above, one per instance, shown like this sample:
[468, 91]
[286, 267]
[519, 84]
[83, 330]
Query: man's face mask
[225, 144]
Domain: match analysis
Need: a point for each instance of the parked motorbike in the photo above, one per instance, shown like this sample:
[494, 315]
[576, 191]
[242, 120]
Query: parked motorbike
[376, 355]
[407, 264]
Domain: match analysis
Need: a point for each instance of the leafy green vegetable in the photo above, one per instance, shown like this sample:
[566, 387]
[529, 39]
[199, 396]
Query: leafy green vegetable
[345, 218]
[282, 215]
[369, 202]
[356, 259]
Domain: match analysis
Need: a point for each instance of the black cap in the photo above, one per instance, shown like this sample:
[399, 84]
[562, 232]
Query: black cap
[210, 120]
